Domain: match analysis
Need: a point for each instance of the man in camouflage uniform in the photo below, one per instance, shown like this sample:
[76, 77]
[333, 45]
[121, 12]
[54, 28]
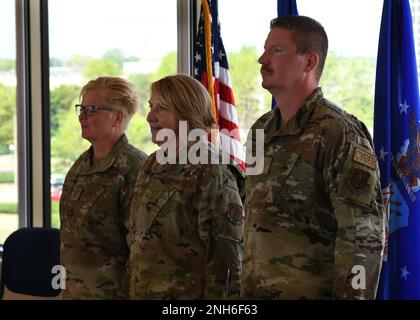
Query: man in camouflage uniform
[314, 217]
[97, 192]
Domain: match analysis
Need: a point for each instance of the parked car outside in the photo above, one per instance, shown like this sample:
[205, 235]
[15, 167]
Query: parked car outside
[57, 181]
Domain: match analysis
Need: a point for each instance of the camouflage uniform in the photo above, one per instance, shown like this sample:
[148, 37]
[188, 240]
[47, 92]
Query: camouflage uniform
[316, 211]
[186, 232]
[93, 206]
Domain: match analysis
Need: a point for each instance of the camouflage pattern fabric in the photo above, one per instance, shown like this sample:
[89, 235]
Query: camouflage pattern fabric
[316, 211]
[186, 232]
[93, 209]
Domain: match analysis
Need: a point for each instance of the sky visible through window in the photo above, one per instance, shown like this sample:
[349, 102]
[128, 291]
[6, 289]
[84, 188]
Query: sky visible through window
[352, 26]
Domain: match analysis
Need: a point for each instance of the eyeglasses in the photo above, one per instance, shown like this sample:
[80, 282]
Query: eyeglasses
[89, 109]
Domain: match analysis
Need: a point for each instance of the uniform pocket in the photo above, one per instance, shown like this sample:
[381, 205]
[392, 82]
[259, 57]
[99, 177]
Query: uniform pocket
[93, 196]
[150, 203]
[79, 199]
[280, 170]
[263, 189]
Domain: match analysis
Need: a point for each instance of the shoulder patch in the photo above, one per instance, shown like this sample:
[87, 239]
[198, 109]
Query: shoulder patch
[235, 215]
[359, 180]
[364, 157]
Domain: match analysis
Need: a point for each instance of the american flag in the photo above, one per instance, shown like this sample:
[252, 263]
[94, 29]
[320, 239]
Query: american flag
[221, 89]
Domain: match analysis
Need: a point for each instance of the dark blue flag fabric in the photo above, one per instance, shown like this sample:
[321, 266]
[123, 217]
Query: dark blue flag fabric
[397, 145]
[285, 8]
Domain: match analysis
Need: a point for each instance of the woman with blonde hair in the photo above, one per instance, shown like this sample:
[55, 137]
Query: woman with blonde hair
[97, 191]
[186, 219]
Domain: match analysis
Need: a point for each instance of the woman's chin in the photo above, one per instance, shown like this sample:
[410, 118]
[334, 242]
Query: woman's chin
[86, 136]
[154, 140]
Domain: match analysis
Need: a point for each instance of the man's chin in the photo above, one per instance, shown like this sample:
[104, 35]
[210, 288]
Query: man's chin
[266, 85]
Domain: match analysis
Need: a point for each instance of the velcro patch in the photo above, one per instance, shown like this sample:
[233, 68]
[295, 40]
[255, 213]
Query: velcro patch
[364, 158]
[235, 215]
[359, 180]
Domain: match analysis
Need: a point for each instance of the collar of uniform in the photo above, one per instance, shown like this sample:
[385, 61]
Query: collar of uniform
[297, 123]
[201, 144]
[219, 153]
[154, 167]
[104, 163]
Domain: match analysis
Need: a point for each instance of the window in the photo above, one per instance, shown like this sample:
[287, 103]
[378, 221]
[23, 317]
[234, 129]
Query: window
[349, 75]
[9, 220]
[136, 40]
[415, 11]
[252, 18]
[353, 33]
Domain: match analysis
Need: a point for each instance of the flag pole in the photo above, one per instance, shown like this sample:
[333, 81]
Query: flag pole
[209, 66]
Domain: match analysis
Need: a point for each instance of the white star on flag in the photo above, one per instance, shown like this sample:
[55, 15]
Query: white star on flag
[404, 272]
[403, 107]
[383, 153]
[197, 57]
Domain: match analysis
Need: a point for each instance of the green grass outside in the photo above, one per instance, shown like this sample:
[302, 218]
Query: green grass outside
[8, 208]
[55, 216]
[11, 208]
[7, 177]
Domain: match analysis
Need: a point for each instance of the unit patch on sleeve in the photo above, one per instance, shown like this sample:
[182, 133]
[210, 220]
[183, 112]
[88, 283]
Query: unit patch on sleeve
[364, 157]
[359, 180]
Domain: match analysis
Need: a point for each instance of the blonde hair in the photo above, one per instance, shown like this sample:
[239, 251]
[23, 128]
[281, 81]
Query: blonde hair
[187, 98]
[117, 92]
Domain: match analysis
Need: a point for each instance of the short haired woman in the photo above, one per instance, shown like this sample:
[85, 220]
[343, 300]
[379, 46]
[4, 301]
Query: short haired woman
[97, 191]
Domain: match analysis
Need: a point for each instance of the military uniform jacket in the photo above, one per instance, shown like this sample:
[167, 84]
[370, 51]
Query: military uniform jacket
[186, 232]
[93, 208]
[314, 218]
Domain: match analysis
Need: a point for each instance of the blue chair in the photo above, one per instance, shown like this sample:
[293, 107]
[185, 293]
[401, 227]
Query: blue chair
[29, 255]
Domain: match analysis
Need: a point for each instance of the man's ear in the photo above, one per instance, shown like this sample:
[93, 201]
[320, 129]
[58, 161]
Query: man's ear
[312, 61]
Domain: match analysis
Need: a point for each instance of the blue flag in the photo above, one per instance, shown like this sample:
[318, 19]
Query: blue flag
[285, 8]
[397, 145]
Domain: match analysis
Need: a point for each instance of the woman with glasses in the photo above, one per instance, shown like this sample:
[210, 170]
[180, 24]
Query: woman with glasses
[186, 217]
[97, 191]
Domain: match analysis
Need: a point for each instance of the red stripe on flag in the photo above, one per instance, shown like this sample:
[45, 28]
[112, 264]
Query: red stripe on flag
[230, 126]
[203, 80]
[226, 94]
